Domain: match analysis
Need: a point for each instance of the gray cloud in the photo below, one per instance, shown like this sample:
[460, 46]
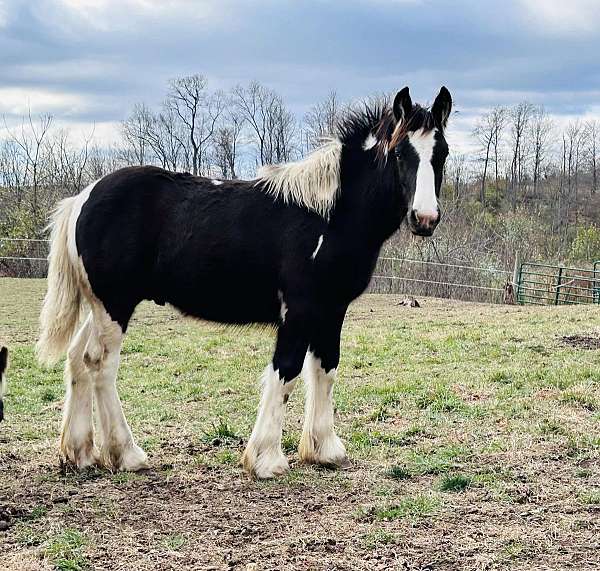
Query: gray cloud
[103, 56]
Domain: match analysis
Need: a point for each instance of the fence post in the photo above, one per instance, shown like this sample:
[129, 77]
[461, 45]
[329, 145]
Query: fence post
[517, 275]
[558, 282]
[596, 286]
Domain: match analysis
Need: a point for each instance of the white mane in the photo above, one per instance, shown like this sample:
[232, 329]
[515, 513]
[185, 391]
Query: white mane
[312, 182]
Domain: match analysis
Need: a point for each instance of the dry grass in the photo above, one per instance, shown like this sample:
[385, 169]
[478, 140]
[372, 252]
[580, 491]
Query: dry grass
[473, 430]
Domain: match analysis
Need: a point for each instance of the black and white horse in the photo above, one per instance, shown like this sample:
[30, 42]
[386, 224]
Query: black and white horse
[292, 248]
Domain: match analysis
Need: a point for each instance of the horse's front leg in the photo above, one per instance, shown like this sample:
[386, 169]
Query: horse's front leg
[263, 457]
[319, 443]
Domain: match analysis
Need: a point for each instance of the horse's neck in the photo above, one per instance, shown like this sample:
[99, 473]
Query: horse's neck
[370, 208]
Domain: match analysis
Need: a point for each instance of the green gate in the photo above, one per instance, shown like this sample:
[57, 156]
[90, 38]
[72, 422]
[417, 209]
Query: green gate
[543, 284]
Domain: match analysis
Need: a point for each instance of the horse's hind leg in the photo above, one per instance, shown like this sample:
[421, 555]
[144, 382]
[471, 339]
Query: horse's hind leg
[118, 450]
[77, 435]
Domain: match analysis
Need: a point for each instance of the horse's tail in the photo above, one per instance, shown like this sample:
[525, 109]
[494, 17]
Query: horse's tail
[61, 308]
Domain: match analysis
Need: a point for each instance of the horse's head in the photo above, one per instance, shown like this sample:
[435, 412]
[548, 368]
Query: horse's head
[3, 367]
[419, 148]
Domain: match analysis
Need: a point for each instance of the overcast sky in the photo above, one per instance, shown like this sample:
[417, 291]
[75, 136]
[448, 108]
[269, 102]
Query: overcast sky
[88, 61]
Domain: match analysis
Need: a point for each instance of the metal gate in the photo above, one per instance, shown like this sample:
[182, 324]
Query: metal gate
[543, 284]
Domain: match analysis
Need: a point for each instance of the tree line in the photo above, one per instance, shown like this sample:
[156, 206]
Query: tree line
[530, 185]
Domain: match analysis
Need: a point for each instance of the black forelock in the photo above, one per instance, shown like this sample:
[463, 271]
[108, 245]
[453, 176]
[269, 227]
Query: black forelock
[357, 123]
[421, 118]
[376, 118]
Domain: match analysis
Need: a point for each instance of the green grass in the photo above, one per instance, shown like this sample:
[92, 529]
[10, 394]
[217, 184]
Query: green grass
[65, 551]
[591, 497]
[379, 537]
[173, 542]
[411, 507]
[398, 473]
[443, 410]
[219, 431]
[455, 483]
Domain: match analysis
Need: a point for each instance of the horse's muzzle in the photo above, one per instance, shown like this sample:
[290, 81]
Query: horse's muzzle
[423, 224]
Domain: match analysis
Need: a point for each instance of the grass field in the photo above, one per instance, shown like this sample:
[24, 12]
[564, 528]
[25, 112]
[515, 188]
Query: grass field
[473, 430]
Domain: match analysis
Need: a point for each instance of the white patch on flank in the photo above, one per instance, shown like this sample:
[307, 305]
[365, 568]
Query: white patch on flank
[319, 244]
[425, 200]
[216, 182]
[283, 308]
[319, 443]
[263, 456]
[312, 182]
[78, 203]
[370, 142]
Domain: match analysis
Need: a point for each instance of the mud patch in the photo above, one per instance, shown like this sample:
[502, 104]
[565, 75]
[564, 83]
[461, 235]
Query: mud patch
[582, 341]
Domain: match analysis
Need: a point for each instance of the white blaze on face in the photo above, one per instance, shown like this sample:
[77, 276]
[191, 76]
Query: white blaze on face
[425, 200]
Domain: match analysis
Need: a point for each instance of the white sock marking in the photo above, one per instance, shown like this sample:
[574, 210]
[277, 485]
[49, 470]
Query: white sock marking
[263, 455]
[319, 441]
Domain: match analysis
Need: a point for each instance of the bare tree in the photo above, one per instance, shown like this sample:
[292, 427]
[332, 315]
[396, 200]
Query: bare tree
[519, 119]
[199, 112]
[498, 123]
[226, 143]
[484, 133]
[170, 140]
[592, 134]
[30, 142]
[540, 131]
[135, 130]
[272, 125]
[321, 120]
[572, 149]
[456, 171]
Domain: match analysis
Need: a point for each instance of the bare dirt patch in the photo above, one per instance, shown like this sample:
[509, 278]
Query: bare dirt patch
[582, 341]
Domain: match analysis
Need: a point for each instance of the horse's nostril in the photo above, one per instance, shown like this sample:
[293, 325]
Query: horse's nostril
[426, 220]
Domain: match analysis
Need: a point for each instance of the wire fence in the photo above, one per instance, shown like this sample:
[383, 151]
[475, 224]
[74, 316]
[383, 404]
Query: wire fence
[458, 280]
[24, 257]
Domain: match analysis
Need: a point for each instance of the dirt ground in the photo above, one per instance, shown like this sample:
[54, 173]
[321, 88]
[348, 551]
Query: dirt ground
[473, 431]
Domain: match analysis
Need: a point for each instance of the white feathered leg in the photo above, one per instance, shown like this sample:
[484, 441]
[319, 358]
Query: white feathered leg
[319, 443]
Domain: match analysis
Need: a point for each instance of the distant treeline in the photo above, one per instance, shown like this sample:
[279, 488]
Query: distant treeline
[530, 187]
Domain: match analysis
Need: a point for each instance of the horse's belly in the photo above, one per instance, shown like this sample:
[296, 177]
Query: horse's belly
[229, 302]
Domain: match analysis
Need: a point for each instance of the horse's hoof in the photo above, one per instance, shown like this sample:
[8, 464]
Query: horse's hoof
[264, 464]
[129, 459]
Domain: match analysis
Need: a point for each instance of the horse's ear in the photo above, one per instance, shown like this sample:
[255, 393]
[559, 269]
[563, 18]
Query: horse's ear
[3, 359]
[402, 105]
[441, 108]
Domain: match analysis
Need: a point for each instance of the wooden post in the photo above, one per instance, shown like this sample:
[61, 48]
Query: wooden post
[558, 282]
[516, 276]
